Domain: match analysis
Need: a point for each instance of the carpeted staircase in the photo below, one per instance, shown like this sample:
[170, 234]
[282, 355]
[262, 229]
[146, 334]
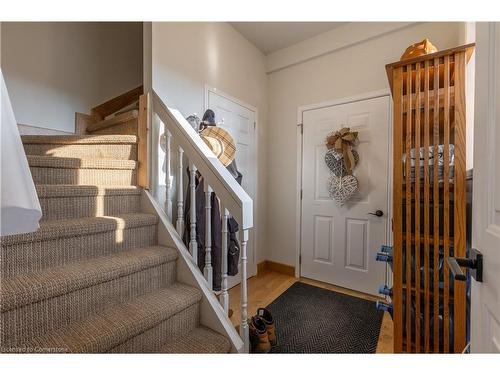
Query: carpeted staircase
[93, 279]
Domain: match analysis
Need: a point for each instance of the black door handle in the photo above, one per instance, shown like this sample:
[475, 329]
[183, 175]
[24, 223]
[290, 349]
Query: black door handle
[378, 213]
[474, 263]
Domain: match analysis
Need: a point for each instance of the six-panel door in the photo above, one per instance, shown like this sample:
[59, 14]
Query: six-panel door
[339, 243]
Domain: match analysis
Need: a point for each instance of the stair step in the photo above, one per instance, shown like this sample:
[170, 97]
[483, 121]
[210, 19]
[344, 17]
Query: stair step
[93, 146]
[77, 201]
[113, 121]
[79, 163]
[59, 242]
[199, 340]
[79, 139]
[30, 288]
[127, 326]
[47, 299]
[50, 170]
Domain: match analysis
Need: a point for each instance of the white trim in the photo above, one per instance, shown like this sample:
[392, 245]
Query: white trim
[298, 207]
[255, 229]
[215, 90]
[300, 117]
[339, 38]
[25, 129]
[333, 102]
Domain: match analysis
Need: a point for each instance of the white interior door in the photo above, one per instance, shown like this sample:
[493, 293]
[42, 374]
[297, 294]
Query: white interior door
[239, 121]
[339, 243]
[485, 296]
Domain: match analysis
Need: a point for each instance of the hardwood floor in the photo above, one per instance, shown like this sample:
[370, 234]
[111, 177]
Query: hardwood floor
[268, 285]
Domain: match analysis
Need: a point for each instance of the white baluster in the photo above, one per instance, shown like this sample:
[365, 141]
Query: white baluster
[193, 246]
[224, 296]
[180, 196]
[207, 271]
[168, 173]
[244, 298]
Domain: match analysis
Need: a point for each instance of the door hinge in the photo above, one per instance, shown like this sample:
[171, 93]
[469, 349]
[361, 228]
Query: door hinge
[301, 193]
[300, 258]
[301, 128]
[254, 125]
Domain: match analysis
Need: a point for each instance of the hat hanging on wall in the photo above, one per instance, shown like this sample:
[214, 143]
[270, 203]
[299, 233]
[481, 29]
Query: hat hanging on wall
[220, 142]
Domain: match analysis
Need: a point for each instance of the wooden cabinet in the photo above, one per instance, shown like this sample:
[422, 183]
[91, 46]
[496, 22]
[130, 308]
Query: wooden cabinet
[429, 200]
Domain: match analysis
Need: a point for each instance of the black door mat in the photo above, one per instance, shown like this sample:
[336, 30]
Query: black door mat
[315, 320]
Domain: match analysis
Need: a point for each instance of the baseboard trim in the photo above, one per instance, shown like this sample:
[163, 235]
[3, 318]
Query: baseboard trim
[276, 267]
[39, 130]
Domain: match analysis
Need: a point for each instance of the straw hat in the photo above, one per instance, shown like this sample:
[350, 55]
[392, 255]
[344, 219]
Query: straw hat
[220, 142]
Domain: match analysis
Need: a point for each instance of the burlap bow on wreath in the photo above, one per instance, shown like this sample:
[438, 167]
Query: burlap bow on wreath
[343, 141]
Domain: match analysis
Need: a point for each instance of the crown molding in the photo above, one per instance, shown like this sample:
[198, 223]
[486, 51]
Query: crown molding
[331, 41]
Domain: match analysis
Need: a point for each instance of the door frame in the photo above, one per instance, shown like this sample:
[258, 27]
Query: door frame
[211, 89]
[300, 136]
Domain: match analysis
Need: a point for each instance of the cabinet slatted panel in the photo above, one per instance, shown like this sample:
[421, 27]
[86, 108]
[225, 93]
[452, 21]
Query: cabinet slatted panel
[429, 309]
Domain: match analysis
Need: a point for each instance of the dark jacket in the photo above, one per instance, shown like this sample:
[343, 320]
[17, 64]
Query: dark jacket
[233, 251]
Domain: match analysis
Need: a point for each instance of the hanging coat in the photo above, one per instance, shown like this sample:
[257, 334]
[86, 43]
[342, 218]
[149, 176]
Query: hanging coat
[233, 251]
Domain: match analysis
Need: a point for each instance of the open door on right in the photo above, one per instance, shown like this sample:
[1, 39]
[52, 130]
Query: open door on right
[485, 295]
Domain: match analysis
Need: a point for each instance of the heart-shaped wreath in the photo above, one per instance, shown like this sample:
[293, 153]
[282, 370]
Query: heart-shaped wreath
[335, 161]
[341, 159]
[342, 188]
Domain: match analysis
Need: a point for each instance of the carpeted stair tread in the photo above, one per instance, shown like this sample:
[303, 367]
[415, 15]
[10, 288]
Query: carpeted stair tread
[30, 288]
[199, 340]
[42, 161]
[103, 331]
[92, 278]
[79, 139]
[68, 202]
[65, 190]
[82, 226]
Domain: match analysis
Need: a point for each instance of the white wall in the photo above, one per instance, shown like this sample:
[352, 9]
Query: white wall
[346, 72]
[53, 70]
[187, 56]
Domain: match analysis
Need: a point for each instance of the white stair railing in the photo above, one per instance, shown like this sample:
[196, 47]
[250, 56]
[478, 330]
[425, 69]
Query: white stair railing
[234, 201]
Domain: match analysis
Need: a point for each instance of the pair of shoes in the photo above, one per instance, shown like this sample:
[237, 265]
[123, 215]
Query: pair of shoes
[266, 316]
[262, 331]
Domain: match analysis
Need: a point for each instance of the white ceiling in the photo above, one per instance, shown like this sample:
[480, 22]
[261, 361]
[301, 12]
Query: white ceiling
[272, 36]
